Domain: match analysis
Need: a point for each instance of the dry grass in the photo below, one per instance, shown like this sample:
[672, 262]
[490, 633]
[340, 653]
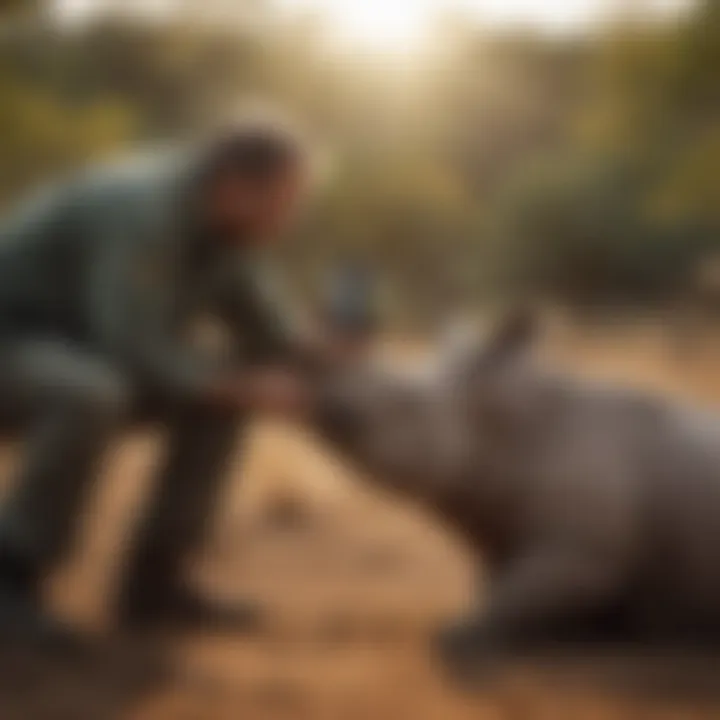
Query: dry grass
[354, 585]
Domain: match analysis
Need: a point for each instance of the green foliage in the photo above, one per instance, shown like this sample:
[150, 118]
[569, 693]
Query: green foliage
[584, 169]
[41, 135]
[631, 207]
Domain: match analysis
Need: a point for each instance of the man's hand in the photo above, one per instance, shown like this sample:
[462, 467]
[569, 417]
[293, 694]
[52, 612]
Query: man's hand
[322, 350]
[275, 391]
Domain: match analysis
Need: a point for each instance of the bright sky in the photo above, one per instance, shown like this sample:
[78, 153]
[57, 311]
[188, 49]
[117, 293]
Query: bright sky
[400, 24]
[386, 22]
[395, 19]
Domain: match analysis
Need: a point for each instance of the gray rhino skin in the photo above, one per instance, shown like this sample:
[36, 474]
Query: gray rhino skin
[595, 509]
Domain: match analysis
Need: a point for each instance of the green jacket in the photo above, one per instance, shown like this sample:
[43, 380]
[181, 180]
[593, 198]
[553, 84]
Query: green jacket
[108, 259]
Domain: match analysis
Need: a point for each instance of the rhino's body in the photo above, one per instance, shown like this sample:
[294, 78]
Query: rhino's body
[629, 479]
[593, 506]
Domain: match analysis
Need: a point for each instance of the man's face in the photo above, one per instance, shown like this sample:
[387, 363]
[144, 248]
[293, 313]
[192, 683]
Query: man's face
[242, 210]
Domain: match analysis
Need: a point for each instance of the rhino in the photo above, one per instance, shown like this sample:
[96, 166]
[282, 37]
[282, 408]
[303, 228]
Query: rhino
[594, 509]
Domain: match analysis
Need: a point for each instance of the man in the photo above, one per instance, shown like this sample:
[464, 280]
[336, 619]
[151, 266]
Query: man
[100, 280]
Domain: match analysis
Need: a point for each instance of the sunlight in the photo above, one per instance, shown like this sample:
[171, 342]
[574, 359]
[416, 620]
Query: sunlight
[402, 24]
[388, 24]
[392, 25]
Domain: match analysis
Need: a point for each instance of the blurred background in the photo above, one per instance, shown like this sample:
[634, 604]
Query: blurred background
[475, 147]
[474, 152]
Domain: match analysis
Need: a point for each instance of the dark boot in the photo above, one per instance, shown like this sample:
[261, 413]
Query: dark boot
[178, 607]
[23, 624]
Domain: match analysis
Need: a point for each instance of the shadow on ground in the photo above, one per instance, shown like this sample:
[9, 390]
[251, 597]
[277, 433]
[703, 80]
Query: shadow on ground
[668, 675]
[104, 683]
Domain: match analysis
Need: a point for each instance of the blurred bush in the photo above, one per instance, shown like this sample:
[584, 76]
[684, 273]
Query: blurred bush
[629, 208]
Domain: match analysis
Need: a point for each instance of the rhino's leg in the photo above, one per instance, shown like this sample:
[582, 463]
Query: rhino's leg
[537, 599]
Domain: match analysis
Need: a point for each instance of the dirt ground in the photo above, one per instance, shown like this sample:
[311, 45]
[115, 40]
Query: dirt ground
[354, 584]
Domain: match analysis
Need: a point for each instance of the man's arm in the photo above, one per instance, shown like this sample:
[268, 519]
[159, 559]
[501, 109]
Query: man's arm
[258, 314]
[133, 296]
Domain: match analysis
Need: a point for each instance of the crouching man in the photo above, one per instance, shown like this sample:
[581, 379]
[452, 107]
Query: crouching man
[100, 278]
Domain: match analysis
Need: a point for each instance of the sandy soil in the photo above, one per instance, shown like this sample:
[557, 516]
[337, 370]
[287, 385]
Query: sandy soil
[354, 584]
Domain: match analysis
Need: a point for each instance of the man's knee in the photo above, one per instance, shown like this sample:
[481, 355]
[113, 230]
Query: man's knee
[102, 395]
[38, 377]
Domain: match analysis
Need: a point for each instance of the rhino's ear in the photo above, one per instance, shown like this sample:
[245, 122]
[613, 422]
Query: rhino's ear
[514, 336]
[467, 350]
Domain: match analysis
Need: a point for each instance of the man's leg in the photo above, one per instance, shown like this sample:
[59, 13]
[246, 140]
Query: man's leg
[72, 404]
[190, 481]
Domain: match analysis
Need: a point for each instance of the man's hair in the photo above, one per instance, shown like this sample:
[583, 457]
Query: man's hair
[257, 149]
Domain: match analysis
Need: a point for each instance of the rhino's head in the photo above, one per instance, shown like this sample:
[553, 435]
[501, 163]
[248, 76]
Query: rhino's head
[422, 426]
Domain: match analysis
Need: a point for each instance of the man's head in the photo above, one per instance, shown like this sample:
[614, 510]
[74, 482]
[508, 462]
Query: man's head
[252, 180]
